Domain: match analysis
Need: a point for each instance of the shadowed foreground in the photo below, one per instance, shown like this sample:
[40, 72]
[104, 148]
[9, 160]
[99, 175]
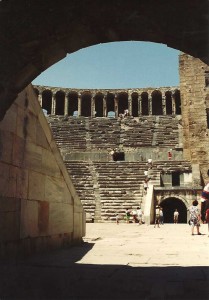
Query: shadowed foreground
[123, 261]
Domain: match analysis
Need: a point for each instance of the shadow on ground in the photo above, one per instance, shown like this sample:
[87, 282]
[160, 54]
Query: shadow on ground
[58, 276]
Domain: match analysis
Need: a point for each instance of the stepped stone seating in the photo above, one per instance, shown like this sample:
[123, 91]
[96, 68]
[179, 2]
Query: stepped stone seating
[172, 166]
[83, 182]
[137, 132]
[166, 131]
[108, 188]
[69, 133]
[120, 186]
[104, 133]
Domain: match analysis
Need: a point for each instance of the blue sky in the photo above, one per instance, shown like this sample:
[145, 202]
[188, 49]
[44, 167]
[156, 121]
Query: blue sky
[115, 65]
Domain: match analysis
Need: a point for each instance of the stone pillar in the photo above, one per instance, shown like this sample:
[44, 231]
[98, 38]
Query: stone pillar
[173, 104]
[140, 105]
[79, 105]
[105, 106]
[93, 106]
[164, 104]
[66, 106]
[53, 110]
[116, 100]
[130, 104]
[150, 104]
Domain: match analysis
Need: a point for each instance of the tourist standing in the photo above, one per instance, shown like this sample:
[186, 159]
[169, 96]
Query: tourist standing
[145, 185]
[128, 214]
[176, 216]
[157, 216]
[207, 216]
[195, 217]
[139, 215]
[117, 219]
[161, 216]
[149, 161]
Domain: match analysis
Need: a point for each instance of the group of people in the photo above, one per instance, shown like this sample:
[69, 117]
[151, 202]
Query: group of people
[135, 214]
[159, 218]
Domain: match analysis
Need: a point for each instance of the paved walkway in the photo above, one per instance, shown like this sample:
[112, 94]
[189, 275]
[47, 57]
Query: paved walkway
[124, 261]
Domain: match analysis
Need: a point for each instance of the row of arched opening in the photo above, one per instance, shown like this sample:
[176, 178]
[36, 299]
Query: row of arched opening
[100, 104]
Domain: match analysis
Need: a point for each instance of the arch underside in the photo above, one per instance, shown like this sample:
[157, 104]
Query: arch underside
[48, 31]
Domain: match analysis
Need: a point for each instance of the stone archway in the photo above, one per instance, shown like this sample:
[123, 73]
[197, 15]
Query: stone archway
[59, 28]
[169, 205]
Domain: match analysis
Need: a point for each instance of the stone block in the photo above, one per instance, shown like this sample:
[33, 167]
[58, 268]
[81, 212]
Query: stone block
[7, 180]
[36, 186]
[22, 183]
[60, 218]
[6, 146]
[41, 137]
[49, 163]
[29, 219]
[10, 220]
[33, 157]
[9, 123]
[33, 105]
[18, 155]
[54, 189]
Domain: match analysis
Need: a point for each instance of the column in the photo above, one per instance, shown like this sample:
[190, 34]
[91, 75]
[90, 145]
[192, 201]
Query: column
[79, 105]
[53, 110]
[93, 113]
[66, 106]
[130, 105]
[164, 104]
[105, 106]
[139, 104]
[116, 100]
[150, 104]
[173, 104]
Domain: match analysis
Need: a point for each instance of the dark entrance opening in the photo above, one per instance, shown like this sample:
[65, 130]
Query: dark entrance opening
[175, 179]
[169, 206]
[118, 156]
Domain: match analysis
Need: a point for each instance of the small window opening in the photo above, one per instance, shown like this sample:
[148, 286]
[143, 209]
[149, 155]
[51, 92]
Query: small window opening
[175, 179]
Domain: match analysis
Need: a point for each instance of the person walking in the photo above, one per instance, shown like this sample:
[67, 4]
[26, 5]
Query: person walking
[195, 217]
[176, 216]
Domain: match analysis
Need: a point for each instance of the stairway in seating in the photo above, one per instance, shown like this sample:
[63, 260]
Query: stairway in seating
[84, 184]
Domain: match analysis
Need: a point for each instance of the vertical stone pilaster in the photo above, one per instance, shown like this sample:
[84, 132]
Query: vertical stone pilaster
[93, 113]
[116, 102]
[140, 105]
[164, 104]
[105, 106]
[173, 104]
[53, 110]
[66, 105]
[150, 104]
[79, 104]
[130, 104]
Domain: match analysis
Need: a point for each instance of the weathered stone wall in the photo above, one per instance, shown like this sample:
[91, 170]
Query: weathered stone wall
[194, 103]
[39, 207]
